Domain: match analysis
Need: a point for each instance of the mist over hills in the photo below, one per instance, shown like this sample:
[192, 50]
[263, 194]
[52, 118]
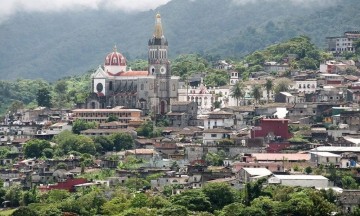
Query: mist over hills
[57, 44]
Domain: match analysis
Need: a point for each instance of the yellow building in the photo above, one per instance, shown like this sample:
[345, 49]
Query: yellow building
[101, 115]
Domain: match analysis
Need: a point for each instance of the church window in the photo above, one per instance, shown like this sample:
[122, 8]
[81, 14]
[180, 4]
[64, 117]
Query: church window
[110, 85]
[115, 60]
[173, 87]
[142, 86]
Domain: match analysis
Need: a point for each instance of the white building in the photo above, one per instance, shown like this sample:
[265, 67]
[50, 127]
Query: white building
[317, 181]
[306, 86]
[343, 43]
[211, 136]
[325, 158]
[219, 119]
[252, 174]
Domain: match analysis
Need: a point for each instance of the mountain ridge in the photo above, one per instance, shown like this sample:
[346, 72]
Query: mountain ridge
[54, 45]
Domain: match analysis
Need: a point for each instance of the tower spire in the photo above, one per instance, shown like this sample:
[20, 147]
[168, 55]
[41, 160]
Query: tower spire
[158, 34]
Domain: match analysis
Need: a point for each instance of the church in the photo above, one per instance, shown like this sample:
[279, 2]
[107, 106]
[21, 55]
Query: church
[152, 91]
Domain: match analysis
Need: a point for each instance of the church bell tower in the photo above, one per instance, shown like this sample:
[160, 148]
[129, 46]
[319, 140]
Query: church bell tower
[159, 67]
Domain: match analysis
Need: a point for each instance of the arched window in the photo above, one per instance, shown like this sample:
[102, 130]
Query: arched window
[110, 85]
[115, 60]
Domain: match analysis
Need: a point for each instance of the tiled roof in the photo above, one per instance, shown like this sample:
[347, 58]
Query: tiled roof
[280, 157]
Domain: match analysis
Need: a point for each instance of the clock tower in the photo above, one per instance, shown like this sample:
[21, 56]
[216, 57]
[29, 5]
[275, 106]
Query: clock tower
[159, 67]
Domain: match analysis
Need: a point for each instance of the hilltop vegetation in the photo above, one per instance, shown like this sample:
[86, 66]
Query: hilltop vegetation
[66, 92]
[54, 45]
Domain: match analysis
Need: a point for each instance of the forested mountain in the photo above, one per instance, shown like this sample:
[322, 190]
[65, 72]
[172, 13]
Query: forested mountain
[58, 44]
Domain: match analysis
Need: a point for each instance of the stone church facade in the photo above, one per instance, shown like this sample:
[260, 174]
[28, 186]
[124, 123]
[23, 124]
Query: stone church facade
[152, 91]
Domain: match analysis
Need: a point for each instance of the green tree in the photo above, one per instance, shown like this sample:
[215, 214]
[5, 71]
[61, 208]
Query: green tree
[233, 209]
[216, 190]
[48, 153]
[103, 143]
[193, 200]
[237, 91]
[14, 195]
[66, 142]
[35, 148]
[24, 211]
[349, 182]
[43, 97]
[146, 129]
[85, 145]
[282, 85]
[122, 141]
[256, 92]
[308, 170]
[266, 204]
[80, 125]
[268, 86]
[30, 196]
[54, 196]
[112, 118]
[174, 210]
[62, 165]
[253, 190]
[216, 78]
[16, 105]
[214, 159]
[140, 200]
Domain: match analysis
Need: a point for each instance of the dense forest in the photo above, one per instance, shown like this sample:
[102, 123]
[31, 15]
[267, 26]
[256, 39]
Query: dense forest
[212, 199]
[54, 45]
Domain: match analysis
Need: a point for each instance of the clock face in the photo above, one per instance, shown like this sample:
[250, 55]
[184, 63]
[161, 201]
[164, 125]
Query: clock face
[99, 87]
[163, 70]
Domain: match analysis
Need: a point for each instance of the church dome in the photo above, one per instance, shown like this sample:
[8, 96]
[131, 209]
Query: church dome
[115, 59]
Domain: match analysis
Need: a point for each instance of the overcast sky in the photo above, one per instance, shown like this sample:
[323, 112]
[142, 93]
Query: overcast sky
[9, 7]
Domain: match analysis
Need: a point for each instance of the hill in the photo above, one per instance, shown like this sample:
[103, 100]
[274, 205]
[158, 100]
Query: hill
[58, 44]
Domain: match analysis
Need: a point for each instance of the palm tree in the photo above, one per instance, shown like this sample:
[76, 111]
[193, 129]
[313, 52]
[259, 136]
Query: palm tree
[268, 85]
[237, 92]
[256, 92]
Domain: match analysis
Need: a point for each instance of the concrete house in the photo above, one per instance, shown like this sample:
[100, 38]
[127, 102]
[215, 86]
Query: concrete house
[317, 181]
[212, 136]
[252, 174]
[325, 158]
[285, 97]
[219, 119]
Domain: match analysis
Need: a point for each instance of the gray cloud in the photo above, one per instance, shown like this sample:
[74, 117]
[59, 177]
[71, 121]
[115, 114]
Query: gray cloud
[10, 7]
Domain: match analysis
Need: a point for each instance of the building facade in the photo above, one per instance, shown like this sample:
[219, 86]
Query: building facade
[151, 91]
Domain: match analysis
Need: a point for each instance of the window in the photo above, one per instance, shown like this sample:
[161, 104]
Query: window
[213, 135]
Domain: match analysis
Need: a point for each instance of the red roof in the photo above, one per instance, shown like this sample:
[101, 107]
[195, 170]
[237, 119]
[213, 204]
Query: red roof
[129, 73]
[115, 59]
[280, 157]
[274, 120]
